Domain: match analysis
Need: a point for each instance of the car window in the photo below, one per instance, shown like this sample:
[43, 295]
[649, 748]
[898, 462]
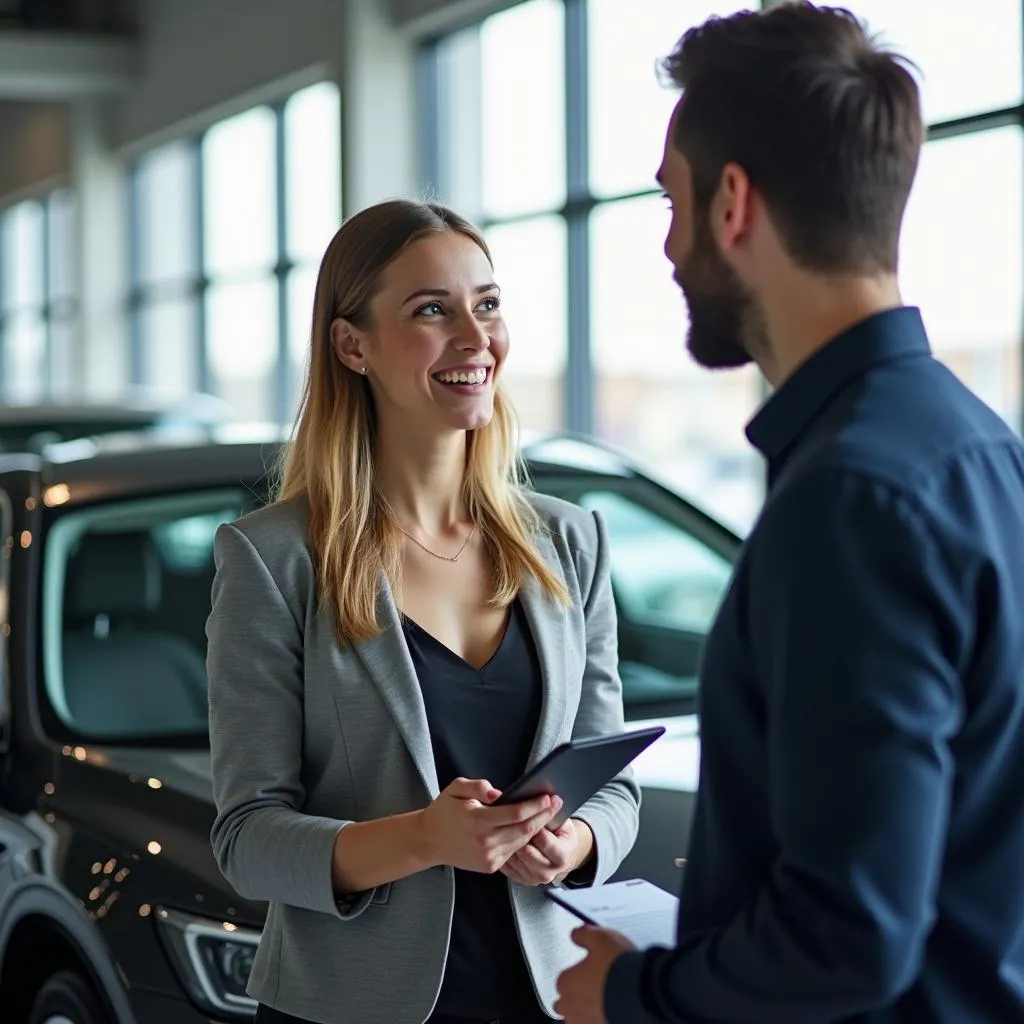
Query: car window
[186, 544]
[663, 575]
[670, 569]
[127, 594]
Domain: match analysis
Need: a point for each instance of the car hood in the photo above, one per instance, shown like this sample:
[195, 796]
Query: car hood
[673, 760]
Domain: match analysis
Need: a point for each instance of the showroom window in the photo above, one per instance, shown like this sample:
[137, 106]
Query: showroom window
[38, 303]
[555, 156]
[962, 253]
[228, 229]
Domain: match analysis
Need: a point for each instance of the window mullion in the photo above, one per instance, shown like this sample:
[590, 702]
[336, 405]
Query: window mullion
[137, 368]
[283, 377]
[579, 377]
[204, 378]
[433, 133]
[47, 306]
[4, 319]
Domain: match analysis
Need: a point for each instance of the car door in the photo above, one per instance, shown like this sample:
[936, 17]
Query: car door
[670, 567]
[12, 841]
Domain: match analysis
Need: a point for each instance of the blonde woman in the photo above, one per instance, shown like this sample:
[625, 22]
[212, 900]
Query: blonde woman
[394, 640]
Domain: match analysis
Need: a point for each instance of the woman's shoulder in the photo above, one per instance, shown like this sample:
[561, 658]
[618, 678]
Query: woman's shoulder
[561, 519]
[278, 531]
[278, 518]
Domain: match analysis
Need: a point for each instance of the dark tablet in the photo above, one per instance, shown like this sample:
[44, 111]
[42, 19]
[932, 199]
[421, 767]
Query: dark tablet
[576, 770]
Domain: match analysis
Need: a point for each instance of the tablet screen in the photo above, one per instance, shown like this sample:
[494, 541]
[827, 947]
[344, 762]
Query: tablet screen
[576, 770]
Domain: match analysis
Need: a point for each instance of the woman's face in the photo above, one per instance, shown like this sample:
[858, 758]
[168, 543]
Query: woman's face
[436, 340]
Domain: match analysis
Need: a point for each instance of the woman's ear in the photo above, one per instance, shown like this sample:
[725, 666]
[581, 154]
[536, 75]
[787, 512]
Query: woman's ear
[347, 342]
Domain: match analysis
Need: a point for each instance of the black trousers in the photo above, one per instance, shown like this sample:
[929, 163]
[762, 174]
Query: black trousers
[266, 1015]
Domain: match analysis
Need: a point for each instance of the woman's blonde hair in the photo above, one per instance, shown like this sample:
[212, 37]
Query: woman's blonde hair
[330, 460]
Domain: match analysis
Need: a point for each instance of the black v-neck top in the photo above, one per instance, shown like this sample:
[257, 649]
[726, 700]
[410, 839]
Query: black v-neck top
[482, 726]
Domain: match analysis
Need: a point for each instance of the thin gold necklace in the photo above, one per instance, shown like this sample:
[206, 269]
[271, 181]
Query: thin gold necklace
[443, 558]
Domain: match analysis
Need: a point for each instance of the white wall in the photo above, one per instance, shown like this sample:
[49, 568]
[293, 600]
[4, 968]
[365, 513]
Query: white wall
[434, 16]
[199, 56]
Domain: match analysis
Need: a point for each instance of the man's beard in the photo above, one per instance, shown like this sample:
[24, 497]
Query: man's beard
[726, 326]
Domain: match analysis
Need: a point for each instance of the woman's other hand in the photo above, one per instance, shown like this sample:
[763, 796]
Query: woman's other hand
[551, 855]
[460, 829]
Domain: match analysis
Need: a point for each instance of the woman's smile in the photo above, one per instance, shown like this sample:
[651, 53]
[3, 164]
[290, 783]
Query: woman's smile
[466, 379]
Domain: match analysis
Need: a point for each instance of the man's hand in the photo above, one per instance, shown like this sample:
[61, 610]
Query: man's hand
[551, 855]
[581, 988]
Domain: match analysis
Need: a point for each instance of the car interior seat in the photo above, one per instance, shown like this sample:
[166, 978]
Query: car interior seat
[122, 676]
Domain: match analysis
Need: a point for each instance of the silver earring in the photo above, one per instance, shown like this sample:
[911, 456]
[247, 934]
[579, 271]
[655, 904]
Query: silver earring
[363, 370]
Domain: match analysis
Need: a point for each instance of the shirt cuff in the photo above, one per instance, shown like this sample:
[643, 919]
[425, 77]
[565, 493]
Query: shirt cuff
[623, 990]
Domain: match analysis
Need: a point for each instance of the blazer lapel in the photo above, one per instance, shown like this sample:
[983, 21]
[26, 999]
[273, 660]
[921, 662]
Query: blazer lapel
[387, 662]
[547, 625]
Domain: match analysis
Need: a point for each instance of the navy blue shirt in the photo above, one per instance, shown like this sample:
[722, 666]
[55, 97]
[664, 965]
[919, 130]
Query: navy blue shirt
[857, 852]
[482, 726]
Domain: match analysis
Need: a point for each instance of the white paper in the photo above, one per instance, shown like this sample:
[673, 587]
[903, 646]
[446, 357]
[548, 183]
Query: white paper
[642, 912]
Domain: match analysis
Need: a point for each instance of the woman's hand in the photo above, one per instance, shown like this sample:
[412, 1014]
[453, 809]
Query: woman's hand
[551, 855]
[458, 827]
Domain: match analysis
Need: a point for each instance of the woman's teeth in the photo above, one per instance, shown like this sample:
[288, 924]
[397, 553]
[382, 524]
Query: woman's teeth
[462, 376]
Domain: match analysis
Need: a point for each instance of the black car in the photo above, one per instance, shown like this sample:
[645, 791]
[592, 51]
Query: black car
[112, 909]
[33, 426]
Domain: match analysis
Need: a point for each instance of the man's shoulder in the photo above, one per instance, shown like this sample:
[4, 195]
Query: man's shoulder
[914, 433]
[949, 494]
[914, 422]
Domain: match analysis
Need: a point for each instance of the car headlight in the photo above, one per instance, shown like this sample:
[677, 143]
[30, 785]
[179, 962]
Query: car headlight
[213, 960]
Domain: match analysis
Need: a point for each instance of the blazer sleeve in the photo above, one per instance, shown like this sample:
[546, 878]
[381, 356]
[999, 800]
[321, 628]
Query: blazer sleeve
[266, 847]
[613, 813]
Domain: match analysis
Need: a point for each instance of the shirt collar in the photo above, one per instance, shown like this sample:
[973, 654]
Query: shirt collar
[788, 413]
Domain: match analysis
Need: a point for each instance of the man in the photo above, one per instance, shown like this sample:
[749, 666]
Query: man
[857, 852]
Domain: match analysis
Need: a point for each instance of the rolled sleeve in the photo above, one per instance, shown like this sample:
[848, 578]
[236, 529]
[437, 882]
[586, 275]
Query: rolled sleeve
[858, 621]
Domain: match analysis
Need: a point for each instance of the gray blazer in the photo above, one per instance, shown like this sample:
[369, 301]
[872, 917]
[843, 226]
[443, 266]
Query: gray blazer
[308, 736]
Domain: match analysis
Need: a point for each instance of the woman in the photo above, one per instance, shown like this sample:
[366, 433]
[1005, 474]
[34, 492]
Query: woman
[392, 642]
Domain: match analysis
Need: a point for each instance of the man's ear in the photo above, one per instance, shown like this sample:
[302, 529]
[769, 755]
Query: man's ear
[732, 207]
[347, 342]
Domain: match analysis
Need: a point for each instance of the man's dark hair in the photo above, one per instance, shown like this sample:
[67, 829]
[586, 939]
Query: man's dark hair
[826, 124]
